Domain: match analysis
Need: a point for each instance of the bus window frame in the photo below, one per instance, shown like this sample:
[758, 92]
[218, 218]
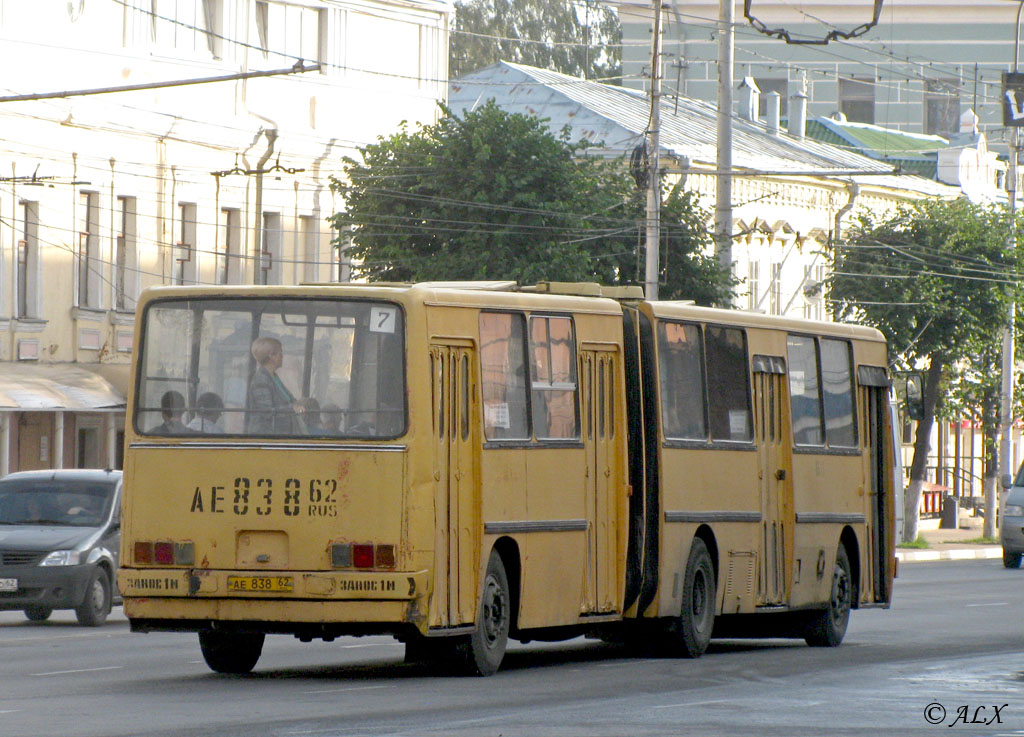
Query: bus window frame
[532, 441]
[706, 443]
[824, 448]
[256, 319]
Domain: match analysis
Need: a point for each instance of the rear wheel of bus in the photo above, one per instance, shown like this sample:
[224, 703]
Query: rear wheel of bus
[231, 652]
[486, 646]
[691, 633]
[828, 627]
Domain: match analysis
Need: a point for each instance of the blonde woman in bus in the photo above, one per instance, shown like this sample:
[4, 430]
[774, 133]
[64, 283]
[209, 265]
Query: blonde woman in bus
[270, 408]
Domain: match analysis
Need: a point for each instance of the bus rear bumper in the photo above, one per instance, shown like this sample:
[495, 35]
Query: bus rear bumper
[306, 619]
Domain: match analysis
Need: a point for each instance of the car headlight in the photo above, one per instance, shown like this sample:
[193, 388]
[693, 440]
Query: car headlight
[62, 558]
[1013, 510]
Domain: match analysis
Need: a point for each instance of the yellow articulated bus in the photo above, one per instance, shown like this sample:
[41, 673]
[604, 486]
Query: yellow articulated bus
[460, 464]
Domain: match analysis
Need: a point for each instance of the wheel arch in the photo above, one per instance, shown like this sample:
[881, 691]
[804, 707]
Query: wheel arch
[508, 549]
[848, 539]
[705, 533]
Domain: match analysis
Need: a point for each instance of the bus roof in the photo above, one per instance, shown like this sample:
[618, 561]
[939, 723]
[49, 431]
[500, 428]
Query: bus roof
[742, 318]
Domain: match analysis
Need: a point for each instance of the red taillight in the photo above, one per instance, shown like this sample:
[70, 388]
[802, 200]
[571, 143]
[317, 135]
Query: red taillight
[144, 553]
[362, 556]
[163, 553]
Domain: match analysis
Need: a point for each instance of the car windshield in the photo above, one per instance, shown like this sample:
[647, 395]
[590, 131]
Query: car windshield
[50, 502]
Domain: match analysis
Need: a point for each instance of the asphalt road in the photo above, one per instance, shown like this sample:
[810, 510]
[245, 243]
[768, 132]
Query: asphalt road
[951, 650]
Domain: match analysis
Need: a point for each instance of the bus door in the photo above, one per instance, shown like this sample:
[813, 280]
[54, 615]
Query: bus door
[874, 384]
[597, 366]
[776, 480]
[456, 541]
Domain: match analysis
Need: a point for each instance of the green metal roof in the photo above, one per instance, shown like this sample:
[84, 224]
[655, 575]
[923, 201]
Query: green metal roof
[914, 152]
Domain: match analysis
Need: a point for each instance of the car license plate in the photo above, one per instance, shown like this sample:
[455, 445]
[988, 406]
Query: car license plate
[8, 584]
[260, 583]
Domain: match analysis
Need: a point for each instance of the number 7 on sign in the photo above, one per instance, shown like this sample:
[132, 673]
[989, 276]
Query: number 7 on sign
[382, 319]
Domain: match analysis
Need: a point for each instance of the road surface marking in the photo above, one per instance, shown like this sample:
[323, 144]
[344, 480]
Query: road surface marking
[80, 670]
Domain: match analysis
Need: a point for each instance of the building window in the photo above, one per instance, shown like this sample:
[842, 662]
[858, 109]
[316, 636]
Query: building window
[28, 259]
[269, 268]
[941, 107]
[775, 306]
[769, 84]
[88, 265]
[229, 240]
[126, 264]
[857, 99]
[189, 26]
[753, 284]
[185, 248]
[309, 237]
[290, 31]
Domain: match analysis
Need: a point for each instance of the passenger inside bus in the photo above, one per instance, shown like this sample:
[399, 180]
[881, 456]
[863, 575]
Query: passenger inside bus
[311, 416]
[209, 407]
[270, 407]
[172, 407]
[330, 418]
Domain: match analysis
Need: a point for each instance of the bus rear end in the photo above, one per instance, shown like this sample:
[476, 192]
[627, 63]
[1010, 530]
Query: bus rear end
[266, 472]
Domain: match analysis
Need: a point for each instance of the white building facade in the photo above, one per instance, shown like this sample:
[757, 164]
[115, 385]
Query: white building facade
[224, 182]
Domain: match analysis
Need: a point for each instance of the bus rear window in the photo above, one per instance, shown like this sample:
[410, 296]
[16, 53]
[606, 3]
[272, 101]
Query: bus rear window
[272, 368]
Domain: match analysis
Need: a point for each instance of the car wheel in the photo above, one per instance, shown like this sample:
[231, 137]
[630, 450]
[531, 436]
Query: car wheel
[38, 613]
[231, 652]
[828, 628]
[93, 610]
[1011, 560]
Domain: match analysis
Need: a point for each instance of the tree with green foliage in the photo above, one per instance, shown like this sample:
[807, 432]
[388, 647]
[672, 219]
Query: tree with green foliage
[580, 38]
[937, 279]
[495, 196]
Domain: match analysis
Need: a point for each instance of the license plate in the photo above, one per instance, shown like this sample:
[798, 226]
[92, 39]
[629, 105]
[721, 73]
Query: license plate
[8, 584]
[260, 583]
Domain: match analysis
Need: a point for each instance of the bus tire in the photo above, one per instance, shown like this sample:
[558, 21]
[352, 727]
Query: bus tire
[1011, 560]
[828, 627]
[692, 632]
[231, 652]
[486, 647]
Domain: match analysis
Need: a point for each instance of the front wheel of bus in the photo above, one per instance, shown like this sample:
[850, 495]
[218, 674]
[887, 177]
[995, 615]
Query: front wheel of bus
[487, 643]
[692, 632]
[231, 652]
[828, 628]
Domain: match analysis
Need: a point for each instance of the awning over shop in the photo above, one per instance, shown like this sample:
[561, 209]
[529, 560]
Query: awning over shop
[52, 387]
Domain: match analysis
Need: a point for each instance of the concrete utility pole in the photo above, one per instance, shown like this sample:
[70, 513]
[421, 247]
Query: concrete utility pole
[653, 240]
[1006, 400]
[723, 192]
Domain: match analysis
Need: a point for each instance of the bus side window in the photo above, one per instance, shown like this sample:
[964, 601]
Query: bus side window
[503, 376]
[681, 368]
[803, 391]
[728, 384]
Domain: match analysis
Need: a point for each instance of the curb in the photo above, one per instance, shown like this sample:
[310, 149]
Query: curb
[914, 556]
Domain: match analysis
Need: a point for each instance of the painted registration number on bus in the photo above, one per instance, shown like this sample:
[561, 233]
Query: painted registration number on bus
[264, 496]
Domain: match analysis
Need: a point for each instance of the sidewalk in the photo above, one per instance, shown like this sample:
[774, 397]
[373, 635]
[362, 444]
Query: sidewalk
[951, 544]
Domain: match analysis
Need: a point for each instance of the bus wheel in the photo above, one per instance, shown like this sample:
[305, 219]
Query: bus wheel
[487, 644]
[829, 626]
[692, 632]
[231, 652]
[1011, 560]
